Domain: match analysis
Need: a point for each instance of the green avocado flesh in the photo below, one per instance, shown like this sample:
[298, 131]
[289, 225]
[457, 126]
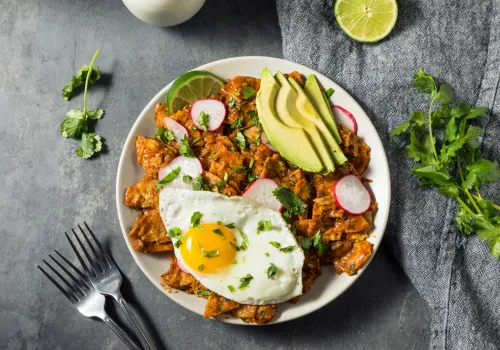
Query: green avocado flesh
[291, 142]
[286, 107]
[305, 106]
[320, 102]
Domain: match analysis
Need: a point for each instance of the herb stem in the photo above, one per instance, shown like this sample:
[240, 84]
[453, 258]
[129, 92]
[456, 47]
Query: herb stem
[497, 207]
[466, 208]
[433, 141]
[89, 73]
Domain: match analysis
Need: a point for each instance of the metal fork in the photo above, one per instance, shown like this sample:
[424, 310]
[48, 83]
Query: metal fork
[86, 299]
[106, 278]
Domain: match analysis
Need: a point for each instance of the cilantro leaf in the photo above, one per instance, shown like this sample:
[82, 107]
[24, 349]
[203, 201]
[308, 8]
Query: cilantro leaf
[275, 244]
[329, 92]
[201, 267]
[247, 92]
[91, 144]
[240, 140]
[203, 120]
[199, 184]
[238, 123]
[195, 219]
[187, 179]
[168, 178]
[203, 293]
[271, 271]
[231, 103]
[95, 114]
[444, 95]
[292, 203]
[318, 243]
[245, 281]
[423, 82]
[264, 225]
[175, 232]
[75, 81]
[401, 128]
[74, 125]
[481, 172]
[218, 232]
[164, 135]
[231, 288]
[287, 249]
[184, 149]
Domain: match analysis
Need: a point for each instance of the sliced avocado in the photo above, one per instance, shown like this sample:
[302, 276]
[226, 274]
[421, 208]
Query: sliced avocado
[320, 102]
[305, 106]
[291, 143]
[286, 107]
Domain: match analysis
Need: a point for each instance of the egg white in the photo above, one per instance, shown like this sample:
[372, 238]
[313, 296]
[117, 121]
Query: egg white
[176, 207]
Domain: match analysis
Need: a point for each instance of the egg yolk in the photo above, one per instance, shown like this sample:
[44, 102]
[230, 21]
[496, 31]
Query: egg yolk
[208, 250]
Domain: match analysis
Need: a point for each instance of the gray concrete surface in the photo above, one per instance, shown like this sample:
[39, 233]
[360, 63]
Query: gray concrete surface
[46, 189]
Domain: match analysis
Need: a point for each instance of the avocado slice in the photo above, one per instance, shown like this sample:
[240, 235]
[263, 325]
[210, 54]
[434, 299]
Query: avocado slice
[292, 143]
[320, 102]
[286, 107]
[305, 106]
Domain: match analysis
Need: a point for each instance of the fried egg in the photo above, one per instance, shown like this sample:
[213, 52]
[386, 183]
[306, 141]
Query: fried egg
[234, 246]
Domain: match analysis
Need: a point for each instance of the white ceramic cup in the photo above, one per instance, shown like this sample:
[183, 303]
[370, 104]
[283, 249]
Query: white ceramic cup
[164, 13]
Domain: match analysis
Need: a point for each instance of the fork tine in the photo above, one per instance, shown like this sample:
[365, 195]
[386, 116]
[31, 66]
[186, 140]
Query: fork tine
[80, 273]
[87, 270]
[98, 256]
[92, 263]
[69, 285]
[79, 283]
[70, 297]
[105, 255]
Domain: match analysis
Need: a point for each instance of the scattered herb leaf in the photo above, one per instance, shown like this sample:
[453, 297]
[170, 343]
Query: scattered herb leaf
[168, 178]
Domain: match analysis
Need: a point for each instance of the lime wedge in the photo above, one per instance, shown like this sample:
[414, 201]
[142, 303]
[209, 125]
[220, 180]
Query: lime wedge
[367, 21]
[190, 87]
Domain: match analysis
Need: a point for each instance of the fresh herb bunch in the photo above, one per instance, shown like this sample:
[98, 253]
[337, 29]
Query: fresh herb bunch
[445, 146]
[76, 123]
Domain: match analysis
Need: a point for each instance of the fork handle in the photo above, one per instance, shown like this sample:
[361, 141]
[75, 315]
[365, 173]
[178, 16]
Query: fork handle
[121, 333]
[134, 322]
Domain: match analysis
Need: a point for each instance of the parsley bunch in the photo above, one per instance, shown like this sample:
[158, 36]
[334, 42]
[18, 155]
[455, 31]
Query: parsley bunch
[76, 123]
[445, 146]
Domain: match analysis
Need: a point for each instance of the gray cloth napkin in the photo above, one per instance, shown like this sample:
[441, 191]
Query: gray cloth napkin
[457, 41]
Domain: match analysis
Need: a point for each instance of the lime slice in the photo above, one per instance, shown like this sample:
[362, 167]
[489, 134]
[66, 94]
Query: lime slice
[190, 87]
[367, 21]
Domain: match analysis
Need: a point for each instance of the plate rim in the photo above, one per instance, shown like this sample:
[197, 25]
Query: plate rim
[152, 103]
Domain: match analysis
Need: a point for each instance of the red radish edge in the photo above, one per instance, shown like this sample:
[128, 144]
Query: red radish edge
[176, 128]
[161, 173]
[352, 124]
[215, 109]
[252, 192]
[363, 196]
[264, 140]
[180, 266]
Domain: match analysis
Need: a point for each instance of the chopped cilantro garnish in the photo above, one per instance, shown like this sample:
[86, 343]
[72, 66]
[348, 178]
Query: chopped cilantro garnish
[178, 243]
[240, 140]
[231, 102]
[245, 240]
[251, 177]
[201, 267]
[202, 120]
[272, 270]
[287, 249]
[220, 184]
[164, 135]
[252, 161]
[238, 123]
[187, 179]
[219, 232]
[195, 220]
[238, 168]
[199, 184]
[168, 178]
[245, 281]
[329, 92]
[292, 203]
[318, 243]
[264, 225]
[184, 149]
[231, 225]
[235, 262]
[247, 92]
[234, 246]
[231, 289]
[275, 244]
[203, 293]
[266, 254]
[208, 254]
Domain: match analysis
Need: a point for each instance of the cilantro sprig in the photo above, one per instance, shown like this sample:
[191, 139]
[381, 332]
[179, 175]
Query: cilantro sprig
[292, 203]
[76, 123]
[445, 146]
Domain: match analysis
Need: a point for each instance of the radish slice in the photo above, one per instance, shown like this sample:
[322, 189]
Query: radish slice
[179, 265]
[351, 195]
[261, 191]
[215, 109]
[177, 129]
[265, 141]
[344, 117]
[189, 166]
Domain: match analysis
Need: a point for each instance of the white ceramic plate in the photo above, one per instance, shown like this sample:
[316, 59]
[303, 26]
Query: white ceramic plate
[327, 287]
